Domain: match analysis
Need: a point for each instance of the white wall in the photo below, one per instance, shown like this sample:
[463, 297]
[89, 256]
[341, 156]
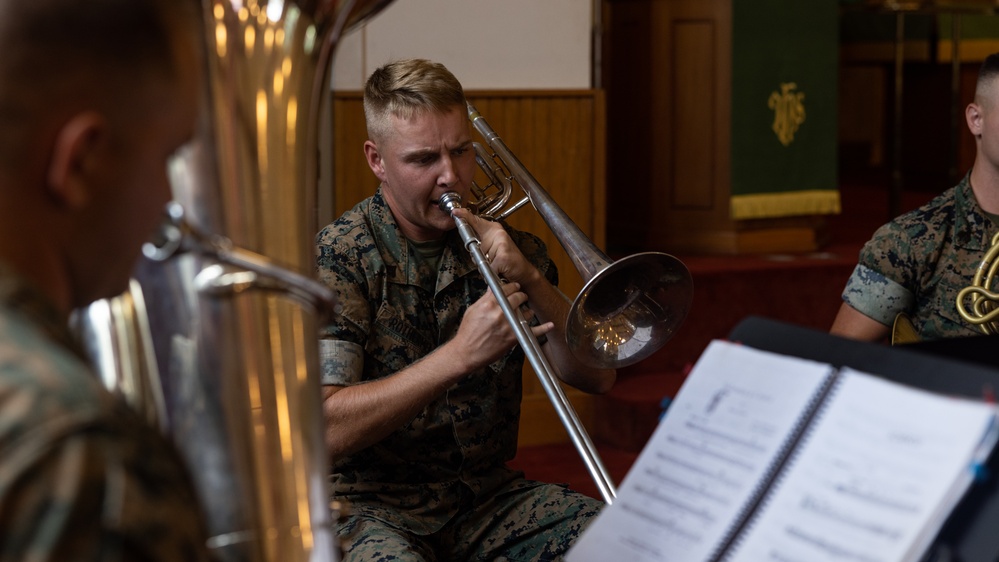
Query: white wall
[487, 44]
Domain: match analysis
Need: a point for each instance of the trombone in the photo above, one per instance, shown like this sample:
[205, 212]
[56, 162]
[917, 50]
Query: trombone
[627, 308]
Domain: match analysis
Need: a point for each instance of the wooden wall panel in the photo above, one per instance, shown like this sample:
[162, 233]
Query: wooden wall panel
[667, 67]
[693, 55]
[559, 137]
[690, 190]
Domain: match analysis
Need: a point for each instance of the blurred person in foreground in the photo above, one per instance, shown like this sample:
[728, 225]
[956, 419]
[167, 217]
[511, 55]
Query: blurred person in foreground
[94, 98]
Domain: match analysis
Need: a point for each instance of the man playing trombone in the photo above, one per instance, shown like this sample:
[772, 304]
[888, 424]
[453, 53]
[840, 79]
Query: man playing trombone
[421, 372]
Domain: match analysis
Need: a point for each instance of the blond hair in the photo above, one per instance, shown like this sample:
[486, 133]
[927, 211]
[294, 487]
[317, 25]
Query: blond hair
[407, 88]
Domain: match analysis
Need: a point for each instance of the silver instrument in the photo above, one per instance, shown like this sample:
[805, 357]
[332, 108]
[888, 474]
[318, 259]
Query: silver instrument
[232, 309]
[626, 310]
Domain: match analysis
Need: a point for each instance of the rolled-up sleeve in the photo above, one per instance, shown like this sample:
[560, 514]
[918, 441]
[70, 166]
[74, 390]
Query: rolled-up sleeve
[341, 362]
[876, 296]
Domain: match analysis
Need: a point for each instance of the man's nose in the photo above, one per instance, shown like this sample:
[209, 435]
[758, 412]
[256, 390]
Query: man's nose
[448, 176]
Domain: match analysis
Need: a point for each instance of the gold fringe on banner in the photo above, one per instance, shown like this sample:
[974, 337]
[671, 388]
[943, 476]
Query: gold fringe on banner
[794, 203]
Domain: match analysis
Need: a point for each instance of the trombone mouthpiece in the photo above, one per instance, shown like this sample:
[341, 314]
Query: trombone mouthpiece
[449, 202]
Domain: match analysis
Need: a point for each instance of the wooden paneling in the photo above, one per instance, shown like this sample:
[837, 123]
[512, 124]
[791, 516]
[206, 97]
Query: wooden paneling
[559, 137]
[668, 86]
[667, 66]
[693, 55]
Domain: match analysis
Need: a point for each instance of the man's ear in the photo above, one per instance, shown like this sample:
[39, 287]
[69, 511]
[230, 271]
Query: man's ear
[973, 115]
[374, 158]
[77, 147]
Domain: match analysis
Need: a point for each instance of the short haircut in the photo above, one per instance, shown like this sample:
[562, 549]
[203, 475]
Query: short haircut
[407, 88]
[59, 55]
[987, 73]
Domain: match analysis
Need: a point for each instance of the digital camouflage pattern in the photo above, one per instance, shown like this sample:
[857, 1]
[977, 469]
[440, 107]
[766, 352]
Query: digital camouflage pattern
[82, 477]
[523, 521]
[425, 477]
[918, 263]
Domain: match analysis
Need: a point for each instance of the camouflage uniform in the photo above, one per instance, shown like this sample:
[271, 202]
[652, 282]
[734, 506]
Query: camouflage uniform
[918, 263]
[81, 476]
[439, 486]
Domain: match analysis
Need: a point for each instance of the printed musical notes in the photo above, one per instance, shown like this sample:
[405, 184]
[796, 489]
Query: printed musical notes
[764, 457]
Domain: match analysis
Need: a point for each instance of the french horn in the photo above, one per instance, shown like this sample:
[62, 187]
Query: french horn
[977, 303]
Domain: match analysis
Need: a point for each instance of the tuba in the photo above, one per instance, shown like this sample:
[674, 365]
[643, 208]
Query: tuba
[217, 338]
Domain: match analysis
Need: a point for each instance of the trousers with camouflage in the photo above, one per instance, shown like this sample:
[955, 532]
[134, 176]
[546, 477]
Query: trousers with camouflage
[539, 523]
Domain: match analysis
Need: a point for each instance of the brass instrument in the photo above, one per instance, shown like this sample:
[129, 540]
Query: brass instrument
[118, 340]
[903, 331]
[235, 349]
[626, 310]
[977, 303]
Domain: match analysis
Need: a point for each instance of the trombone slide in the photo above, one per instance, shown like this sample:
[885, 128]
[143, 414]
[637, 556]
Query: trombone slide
[532, 349]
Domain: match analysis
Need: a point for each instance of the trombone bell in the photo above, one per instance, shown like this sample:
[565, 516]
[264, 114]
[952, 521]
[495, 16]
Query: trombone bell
[627, 309]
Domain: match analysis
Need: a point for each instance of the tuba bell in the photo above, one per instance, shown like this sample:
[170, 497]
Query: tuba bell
[231, 310]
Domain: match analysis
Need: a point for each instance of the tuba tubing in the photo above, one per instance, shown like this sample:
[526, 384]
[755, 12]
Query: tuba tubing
[232, 306]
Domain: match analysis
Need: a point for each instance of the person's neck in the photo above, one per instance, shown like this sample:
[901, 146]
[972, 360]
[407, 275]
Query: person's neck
[44, 279]
[985, 185]
[31, 253]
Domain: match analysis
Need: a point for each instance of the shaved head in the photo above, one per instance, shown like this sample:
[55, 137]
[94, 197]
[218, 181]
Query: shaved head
[985, 91]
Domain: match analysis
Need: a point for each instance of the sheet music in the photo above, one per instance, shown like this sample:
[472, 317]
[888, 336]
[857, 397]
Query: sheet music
[705, 459]
[880, 460]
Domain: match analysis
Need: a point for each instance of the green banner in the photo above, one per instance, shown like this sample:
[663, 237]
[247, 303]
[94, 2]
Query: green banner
[784, 103]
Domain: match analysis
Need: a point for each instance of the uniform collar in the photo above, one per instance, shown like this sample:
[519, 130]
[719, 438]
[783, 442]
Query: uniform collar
[972, 226]
[403, 264]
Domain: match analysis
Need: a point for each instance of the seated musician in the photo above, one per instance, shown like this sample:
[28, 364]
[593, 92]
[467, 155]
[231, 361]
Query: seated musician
[917, 263]
[422, 374]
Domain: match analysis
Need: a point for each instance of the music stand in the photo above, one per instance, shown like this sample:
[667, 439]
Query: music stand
[971, 533]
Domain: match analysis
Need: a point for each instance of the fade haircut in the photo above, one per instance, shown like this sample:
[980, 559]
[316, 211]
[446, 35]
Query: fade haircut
[62, 56]
[405, 89]
[987, 74]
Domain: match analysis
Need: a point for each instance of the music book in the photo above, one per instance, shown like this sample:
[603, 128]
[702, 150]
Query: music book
[767, 457]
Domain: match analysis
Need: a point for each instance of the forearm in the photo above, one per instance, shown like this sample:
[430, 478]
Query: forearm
[361, 415]
[851, 323]
[550, 305]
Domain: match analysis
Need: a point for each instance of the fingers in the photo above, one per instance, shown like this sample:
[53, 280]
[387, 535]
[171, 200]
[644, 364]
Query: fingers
[542, 329]
[485, 330]
[488, 306]
[514, 294]
[477, 222]
[502, 254]
[504, 257]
